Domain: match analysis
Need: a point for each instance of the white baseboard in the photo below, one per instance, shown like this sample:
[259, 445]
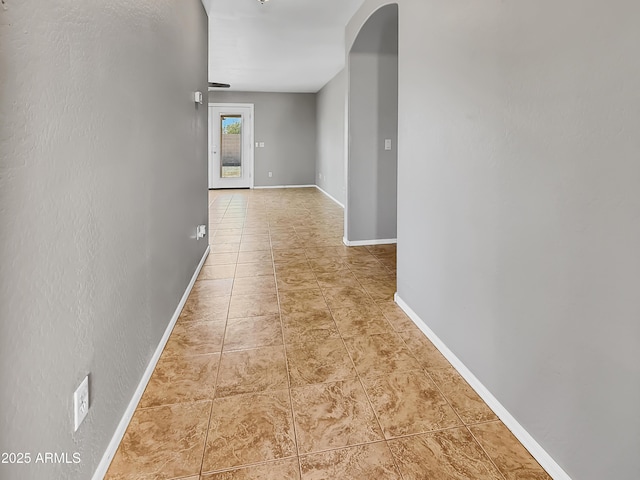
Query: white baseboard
[330, 196]
[283, 186]
[103, 466]
[364, 243]
[543, 458]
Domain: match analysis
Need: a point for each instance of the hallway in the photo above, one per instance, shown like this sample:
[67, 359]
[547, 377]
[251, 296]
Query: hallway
[291, 360]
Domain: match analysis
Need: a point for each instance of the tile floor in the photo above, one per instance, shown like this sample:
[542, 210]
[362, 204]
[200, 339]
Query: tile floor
[290, 360]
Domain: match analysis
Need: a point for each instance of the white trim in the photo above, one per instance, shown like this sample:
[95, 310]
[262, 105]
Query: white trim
[347, 143]
[539, 453]
[330, 196]
[250, 151]
[103, 466]
[223, 104]
[282, 186]
[364, 243]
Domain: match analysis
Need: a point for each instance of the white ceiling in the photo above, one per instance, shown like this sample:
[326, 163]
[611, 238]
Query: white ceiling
[281, 46]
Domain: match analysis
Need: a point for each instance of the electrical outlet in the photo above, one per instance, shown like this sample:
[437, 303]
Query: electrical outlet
[80, 403]
[270, 174]
[261, 144]
[201, 231]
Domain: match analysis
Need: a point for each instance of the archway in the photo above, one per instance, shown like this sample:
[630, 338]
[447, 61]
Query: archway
[372, 158]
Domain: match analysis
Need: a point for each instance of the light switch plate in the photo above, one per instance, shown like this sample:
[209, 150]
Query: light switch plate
[387, 144]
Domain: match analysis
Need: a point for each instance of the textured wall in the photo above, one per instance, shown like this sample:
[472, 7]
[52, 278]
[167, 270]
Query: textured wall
[286, 123]
[373, 117]
[331, 110]
[518, 231]
[518, 208]
[103, 180]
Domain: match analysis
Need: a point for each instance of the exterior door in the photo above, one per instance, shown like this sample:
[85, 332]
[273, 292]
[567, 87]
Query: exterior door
[230, 145]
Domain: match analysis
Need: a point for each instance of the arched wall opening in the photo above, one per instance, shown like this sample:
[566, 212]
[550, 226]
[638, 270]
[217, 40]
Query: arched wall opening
[372, 158]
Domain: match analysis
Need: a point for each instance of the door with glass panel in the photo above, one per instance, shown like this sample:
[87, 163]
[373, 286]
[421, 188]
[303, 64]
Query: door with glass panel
[230, 146]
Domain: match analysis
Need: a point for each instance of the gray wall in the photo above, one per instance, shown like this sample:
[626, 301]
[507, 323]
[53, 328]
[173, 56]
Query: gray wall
[373, 117]
[519, 202]
[103, 179]
[331, 105]
[286, 123]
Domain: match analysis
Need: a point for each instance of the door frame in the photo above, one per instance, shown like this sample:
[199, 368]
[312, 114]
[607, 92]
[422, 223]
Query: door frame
[248, 153]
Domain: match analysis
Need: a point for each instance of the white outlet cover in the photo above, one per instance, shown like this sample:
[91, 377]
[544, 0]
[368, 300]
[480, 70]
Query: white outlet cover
[261, 144]
[80, 403]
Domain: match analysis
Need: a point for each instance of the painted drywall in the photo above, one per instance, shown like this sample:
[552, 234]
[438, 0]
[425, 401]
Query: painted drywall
[331, 105]
[354, 27]
[286, 123]
[518, 202]
[103, 179]
[373, 117]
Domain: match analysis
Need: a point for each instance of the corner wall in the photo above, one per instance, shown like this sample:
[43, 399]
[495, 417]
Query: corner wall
[519, 202]
[103, 179]
[286, 123]
[371, 209]
[331, 105]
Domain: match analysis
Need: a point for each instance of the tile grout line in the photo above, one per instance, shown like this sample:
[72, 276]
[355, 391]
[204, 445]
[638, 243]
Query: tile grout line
[434, 383]
[455, 410]
[358, 375]
[358, 378]
[340, 335]
[215, 388]
[502, 474]
[286, 357]
[243, 466]
[305, 225]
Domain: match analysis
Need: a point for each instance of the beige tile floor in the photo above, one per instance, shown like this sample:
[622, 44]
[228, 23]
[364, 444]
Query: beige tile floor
[290, 360]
